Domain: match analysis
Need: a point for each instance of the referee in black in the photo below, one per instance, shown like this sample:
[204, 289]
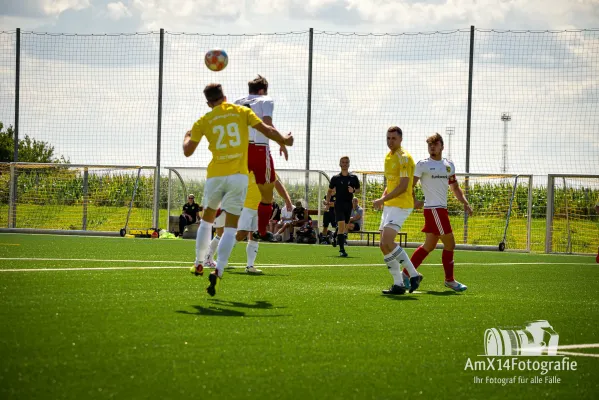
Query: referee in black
[344, 186]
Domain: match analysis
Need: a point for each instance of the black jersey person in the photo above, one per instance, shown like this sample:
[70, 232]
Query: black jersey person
[344, 185]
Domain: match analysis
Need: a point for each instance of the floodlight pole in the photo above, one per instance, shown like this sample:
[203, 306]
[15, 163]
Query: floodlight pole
[505, 117]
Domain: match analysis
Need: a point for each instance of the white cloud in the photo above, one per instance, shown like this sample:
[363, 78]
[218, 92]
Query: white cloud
[117, 11]
[201, 14]
[55, 7]
[449, 14]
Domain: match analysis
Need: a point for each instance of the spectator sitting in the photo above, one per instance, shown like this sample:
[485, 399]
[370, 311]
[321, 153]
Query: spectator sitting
[300, 218]
[191, 213]
[328, 218]
[284, 222]
[274, 218]
[356, 220]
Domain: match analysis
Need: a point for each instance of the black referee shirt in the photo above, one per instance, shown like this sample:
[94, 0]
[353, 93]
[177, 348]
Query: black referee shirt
[340, 183]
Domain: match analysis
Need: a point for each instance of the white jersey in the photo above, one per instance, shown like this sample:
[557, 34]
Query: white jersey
[435, 178]
[262, 106]
[287, 215]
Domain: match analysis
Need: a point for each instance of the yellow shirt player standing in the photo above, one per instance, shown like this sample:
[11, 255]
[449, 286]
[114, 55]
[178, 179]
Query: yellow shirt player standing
[248, 222]
[397, 202]
[226, 127]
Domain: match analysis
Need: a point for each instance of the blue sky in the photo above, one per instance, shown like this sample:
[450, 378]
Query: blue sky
[94, 98]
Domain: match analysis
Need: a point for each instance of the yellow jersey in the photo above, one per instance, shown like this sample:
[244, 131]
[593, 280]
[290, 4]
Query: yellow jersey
[253, 197]
[226, 128]
[399, 164]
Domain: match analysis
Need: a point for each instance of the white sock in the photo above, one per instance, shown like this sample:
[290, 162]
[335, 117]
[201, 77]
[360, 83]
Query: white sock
[203, 240]
[402, 257]
[252, 252]
[225, 246]
[394, 269]
[212, 248]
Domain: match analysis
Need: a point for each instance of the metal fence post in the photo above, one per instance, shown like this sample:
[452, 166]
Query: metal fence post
[156, 208]
[12, 209]
[12, 206]
[17, 93]
[364, 189]
[85, 197]
[468, 127]
[529, 218]
[309, 110]
[318, 201]
[168, 201]
[549, 214]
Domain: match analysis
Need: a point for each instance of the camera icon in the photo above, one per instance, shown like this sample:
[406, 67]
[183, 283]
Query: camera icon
[538, 338]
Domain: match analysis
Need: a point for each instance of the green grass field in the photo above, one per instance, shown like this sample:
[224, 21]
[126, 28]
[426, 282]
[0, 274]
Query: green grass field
[86, 317]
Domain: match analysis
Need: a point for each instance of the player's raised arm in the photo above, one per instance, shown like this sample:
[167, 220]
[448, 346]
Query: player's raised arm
[273, 134]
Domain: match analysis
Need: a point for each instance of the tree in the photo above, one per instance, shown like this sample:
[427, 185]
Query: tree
[30, 150]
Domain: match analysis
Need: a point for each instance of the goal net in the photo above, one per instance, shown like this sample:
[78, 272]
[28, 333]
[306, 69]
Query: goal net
[572, 221]
[501, 210]
[75, 197]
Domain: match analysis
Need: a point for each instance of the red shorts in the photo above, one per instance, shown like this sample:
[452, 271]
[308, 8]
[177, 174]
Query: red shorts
[436, 220]
[261, 164]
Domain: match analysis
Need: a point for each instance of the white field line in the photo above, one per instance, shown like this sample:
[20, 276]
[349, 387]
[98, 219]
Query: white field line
[103, 260]
[266, 265]
[171, 267]
[149, 267]
[579, 346]
[571, 353]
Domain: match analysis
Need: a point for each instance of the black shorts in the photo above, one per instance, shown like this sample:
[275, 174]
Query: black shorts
[343, 211]
[356, 227]
[329, 219]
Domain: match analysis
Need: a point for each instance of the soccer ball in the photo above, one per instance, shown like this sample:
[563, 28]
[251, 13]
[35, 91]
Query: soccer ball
[216, 60]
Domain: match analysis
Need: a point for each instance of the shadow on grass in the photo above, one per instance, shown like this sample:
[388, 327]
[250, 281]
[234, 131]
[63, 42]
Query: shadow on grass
[399, 297]
[444, 293]
[260, 304]
[218, 310]
[242, 272]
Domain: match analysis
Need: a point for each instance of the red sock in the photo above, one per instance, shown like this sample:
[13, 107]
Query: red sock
[264, 213]
[597, 258]
[447, 259]
[417, 258]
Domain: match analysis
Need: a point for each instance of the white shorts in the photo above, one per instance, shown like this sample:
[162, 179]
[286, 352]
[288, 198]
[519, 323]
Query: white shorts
[227, 191]
[248, 221]
[219, 222]
[394, 217]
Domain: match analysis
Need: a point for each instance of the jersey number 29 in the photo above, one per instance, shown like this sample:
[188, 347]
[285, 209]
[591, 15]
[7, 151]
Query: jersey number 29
[232, 131]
